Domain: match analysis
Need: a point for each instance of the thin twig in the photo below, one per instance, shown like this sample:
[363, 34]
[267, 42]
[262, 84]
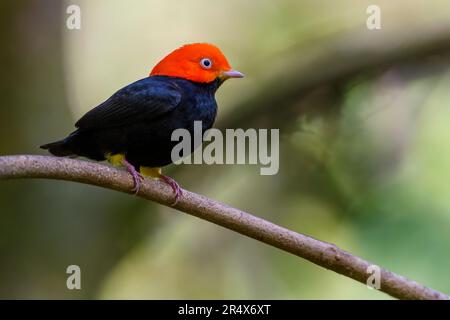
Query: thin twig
[321, 253]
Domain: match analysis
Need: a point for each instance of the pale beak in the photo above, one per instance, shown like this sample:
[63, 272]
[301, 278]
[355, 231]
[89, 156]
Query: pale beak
[231, 74]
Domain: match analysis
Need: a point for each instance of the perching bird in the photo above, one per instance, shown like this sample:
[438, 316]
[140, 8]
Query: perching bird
[133, 127]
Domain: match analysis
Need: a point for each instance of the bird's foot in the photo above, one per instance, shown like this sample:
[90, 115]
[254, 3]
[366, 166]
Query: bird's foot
[137, 177]
[175, 187]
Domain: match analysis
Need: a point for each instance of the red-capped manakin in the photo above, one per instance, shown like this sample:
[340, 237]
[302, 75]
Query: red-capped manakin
[133, 127]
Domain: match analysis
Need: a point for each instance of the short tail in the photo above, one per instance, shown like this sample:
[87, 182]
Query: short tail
[58, 148]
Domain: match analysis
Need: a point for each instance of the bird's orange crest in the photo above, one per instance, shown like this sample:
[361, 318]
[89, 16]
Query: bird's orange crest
[198, 62]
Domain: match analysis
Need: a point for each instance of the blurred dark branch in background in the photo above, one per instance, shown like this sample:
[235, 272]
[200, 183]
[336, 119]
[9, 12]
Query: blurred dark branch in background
[321, 253]
[328, 68]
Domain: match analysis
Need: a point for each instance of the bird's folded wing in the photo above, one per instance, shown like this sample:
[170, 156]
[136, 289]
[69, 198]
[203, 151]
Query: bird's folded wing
[142, 100]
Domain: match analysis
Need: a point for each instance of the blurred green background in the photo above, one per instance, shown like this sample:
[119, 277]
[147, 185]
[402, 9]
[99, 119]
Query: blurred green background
[364, 147]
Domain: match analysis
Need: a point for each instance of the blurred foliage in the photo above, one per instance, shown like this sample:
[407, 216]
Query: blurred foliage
[364, 158]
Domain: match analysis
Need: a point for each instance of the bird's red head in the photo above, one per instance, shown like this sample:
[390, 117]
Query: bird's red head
[198, 62]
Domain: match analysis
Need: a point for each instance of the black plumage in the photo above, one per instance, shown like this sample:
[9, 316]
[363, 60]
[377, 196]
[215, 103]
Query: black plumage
[138, 121]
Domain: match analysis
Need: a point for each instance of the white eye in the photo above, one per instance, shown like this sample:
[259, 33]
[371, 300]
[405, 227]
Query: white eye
[206, 63]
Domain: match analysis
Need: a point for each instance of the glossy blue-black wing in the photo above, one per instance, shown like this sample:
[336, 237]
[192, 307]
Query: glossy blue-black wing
[142, 100]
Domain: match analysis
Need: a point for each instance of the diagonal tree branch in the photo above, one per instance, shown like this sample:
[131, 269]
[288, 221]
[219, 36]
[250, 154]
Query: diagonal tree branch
[321, 253]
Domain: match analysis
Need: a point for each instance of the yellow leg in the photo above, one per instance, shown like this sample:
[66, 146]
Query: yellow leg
[154, 173]
[120, 160]
[115, 159]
